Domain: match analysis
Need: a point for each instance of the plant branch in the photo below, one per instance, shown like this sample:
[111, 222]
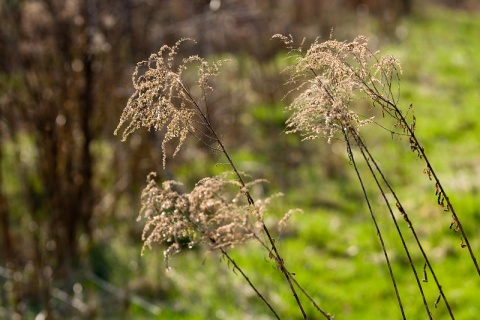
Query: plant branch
[442, 190]
[325, 314]
[235, 265]
[368, 158]
[379, 234]
[410, 225]
[389, 106]
[279, 260]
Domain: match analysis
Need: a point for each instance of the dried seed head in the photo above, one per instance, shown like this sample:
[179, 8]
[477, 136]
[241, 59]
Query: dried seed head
[161, 100]
[330, 75]
[213, 213]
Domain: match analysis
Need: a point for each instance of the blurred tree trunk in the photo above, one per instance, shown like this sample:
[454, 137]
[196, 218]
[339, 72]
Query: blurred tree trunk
[5, 237]
[407, 7]
[85, 191]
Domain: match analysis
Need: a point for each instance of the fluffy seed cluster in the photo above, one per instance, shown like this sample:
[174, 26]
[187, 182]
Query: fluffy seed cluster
[331, 75]
[161, 99]
[214, 213]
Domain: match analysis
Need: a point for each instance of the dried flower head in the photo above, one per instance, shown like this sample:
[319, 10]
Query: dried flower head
[282, 224]
[161, 99]
[214, 213]
[331, 75]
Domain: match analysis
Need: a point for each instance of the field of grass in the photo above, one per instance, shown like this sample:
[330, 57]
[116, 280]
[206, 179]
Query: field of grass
[332, 247]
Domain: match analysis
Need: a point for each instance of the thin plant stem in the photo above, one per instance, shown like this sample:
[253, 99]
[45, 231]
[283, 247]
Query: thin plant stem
[384, 102]
[379, 234]
[368, 158]
[410, 225]
[325, 314]
[350, 153]
[279, 260]
[218, 140]
[235, 265]
[442, 190]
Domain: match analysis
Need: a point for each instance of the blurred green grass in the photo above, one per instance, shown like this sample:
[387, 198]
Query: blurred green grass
[332, 247]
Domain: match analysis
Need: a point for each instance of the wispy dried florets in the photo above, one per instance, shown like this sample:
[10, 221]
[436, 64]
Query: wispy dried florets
[162, 100]
[331, 74]
[214, 213]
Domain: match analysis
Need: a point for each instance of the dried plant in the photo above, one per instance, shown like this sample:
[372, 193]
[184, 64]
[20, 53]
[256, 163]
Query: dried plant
[211, 213]
[330, 75]
[342, 72]
[220, 211]
[161, 100]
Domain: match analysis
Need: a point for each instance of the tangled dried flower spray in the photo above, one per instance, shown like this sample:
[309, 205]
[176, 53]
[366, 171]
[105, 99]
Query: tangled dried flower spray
[331, 75]
[214, 213]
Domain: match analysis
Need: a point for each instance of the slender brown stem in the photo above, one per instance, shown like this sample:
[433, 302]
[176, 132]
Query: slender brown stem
[325, 314]
[284, 270]
[399, 116]
[235, 265]
[368, 158]
[379, 234]
[217, 139]
[410, 225]
[279, 260]
[442, 190]
[389, 106]
[350, 153]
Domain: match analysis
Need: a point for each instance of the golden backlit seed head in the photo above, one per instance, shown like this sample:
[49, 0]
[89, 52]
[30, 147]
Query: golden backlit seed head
[162, 101]
[330, 75]
[215, 213]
